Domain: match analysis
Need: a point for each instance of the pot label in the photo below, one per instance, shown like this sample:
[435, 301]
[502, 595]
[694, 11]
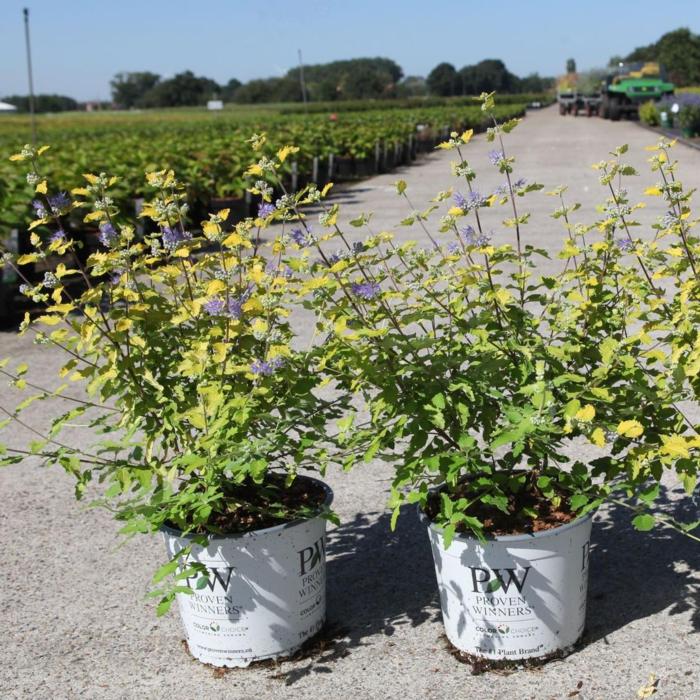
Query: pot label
[514, 598]
[264, 595]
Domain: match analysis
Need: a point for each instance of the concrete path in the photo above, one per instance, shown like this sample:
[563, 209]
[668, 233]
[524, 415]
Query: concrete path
[72, 611]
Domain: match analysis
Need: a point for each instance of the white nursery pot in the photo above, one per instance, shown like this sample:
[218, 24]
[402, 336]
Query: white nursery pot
[266, 593]
[516, 596]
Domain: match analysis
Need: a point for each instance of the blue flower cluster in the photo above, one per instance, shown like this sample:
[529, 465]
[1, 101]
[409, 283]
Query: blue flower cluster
[264, 368]
[496, 157]
[625, 245]
[233, 309]
[473, 200]
[172, 237]
[108, 235]
[472, 238]
[219, 307]
[266, 209]
[366, 290]
[59, 202]
[39, 208]
[302, 237]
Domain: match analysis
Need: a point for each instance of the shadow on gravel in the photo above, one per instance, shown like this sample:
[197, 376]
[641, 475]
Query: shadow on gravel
[379, 579]
[637, 574]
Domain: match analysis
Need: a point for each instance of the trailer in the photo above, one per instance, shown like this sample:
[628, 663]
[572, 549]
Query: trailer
[567, 101]
[590, 104]
[575, 103]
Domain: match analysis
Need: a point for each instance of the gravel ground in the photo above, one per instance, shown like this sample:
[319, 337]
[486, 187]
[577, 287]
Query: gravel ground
[72, 605]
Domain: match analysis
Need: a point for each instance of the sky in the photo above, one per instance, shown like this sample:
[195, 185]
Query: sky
[78, 45]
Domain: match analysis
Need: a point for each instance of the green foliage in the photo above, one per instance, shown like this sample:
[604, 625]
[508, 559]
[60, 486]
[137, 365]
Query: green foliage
[358, 78]
[443, 81]
[146, 89]
[181, 90]
[209, 151]
[129, 89]
[480, 363]
[264, 90]
[487, 76]
[43, 103]
[589, 82]
[200, 401]
[678, 51]
[689, 118]
[649, 113]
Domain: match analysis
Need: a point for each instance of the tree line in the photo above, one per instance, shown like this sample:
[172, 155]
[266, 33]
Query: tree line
[362, 78]
[355, 79]
[486, 76]
[43, 103]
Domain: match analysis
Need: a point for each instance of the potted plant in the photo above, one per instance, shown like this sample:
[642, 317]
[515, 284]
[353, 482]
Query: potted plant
[657, 281]
[689, 117]
[481, 361]
[204, 410]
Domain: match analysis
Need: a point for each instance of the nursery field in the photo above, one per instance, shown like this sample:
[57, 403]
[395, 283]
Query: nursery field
[210, 150]
[74, 601]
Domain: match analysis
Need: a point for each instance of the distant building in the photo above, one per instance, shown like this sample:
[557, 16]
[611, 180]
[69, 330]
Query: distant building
[7, 107]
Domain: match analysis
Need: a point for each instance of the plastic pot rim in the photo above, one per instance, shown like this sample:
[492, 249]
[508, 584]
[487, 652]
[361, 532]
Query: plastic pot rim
[524, 537]
[173, 532]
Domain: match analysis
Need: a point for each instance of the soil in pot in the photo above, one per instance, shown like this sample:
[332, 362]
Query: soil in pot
[251, 506]
[515, 522]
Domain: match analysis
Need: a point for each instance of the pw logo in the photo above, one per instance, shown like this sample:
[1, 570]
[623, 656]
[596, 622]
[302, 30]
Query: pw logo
[309, 557]
[214, 576]
[494, 579]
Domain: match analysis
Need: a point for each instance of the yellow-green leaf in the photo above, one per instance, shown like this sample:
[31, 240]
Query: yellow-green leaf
[598, 437]
[585, 414]
[630, 428]
[286, 151]
[215, 287]
[674, 446]
[49, 320]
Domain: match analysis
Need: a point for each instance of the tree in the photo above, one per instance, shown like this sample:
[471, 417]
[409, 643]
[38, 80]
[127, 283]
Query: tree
[412, 86]
[442, 80]
[570, 65]
[366, 82]
[228, 91]
[129, 88]
[182, 90]
[535, 83]
[43, 103]
[269, 90]
[357, 78]
[678, 51]
[486, 76]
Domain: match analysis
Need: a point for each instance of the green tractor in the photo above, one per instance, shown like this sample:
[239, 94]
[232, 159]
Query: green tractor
[630, 85]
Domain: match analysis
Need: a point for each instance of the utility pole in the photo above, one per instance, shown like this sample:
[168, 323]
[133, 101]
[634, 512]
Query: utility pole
[29, 72]
[301, 80]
